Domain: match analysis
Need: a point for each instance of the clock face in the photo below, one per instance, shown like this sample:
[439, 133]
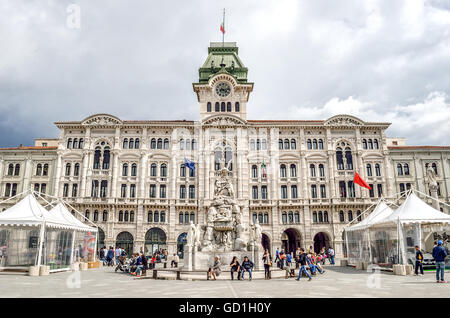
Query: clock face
[223, 89]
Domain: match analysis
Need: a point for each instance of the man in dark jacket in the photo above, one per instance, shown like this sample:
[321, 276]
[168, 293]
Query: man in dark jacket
[439, 255]
[302, 261]
[247, 266]
[419, 261]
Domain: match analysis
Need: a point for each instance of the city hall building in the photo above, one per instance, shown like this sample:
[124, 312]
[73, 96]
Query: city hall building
[293, 176]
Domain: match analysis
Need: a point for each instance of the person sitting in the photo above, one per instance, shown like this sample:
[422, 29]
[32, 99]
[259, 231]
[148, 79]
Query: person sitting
[175, 260]
[141, 264]
[316, 263]
[214, 270]
[247, 266]
[235, 267]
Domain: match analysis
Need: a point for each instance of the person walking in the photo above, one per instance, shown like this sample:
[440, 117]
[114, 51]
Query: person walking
[419, 262]
[267, 260]
[247, 266]
[117, 253]
[331, 253]
[302, 260]
[235, 267]
[110, 256]
[439, 255]
[277, 257]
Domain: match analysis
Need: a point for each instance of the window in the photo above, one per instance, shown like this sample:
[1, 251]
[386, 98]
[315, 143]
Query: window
[153, 143]
[283, 171]
[153, 170]
[17, 169]
[236, 107]
[348, 158]
[194, 144]
[254, 171]
[399, 169]
[228, 107]
[14, 189]
[217, 107]
[191, 192]
[325, 216]
[309, 144]
[94, 191]
[182, 192]
[162, 218]
[255, 192]
[131, 143]
[377, 170]
[314, 143]
[380, 190]
[369, 170]
[38, 169]
[341, 216]
[321, 171]
[313, 191]
[131, 216]
[370, 144]
[297, 217]
[120, 216]
[7, 189]
[43, 187]
[180, 218]
[408, 186]
[350, 216]
[358, 215]
[133, 170]
[364, 143]
[36, 187]
[208, 107]
[95, 215]
[320, 144]
[159, 144]
[339, 159]
[351, 189]
[294, 192]
[166, 143]
[252, 144]
[293, 170]
[182, 171]
[371, 191]
[314, 217]
[342, 189]
[283, 192]
[75, 143]
[406, 169]
[80, 145]
[153, 191]
[150, 216]
[125, 219]
[263, 192]
[293, 144]
[181, 144]
[68, 169]
[312, 170]
[103, 188]
[97, 158]
[162, 191]
[45, 170]
[186, 218]
[125, 169]
[375, 143]
[280, 144]
[434, 166]
[74, 190]
[66, 190]
[222, 107]
[286, 144]
[123, 191]
[284, 218]
[402, 187]
[10, 169]
[163, 171]
[69, 143]
[106, 157]
[266, 218]
[76, 170]
[291, 217]
[323, 192]
[105, 216]
[125, 143]
[264, 144]
[87, 214]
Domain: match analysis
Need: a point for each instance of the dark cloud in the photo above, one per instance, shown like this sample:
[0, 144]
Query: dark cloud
[383, 60]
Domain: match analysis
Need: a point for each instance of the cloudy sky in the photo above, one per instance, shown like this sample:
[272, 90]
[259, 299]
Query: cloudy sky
[377, 60]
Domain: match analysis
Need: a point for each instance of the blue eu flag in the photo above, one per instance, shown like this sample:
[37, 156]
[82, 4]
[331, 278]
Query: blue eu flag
[189, 164]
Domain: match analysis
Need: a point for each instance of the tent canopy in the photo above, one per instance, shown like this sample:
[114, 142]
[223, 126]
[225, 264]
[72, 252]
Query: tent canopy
[61, 212]
[381, 211]
[414, 210]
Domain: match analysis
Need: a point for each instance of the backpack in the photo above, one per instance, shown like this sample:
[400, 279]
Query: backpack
[123, 253]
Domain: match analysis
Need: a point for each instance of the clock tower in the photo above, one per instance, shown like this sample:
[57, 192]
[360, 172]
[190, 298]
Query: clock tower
[223, 88]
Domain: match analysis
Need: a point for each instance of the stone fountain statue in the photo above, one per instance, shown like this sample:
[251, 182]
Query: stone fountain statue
[433, 186]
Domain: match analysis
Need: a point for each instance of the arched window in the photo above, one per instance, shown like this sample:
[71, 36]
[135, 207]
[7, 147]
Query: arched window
[320, 217]
[69, 143]
[325, 216]
[314, 143]
[131, 143]
[45, 170]
[180, 218]
[399, 169]
[163, 170]
[294, 192]
[126, 216]
[341, 216]
[364, 144]
[120, 216]
[293, 170]
[377, 170]
[254, 217]
[17, 169]
[162, 217]
[166, 144]
[217, 107]
[236, 107]
[309, 144]
[314, 191]
[370, 144]
[97, 158]
[188, 144]
[133, 170]
[264, 144]
[186, 217]
[106, 157]
[254, 171]
[75, 143]
[283, 171]
[68, 169]
[320, 144]
[125, 143]
[153, 143]
[286, 144]
[76, 170]
[159, 145]
[350, 216]
[291, 217]
[105, 216]
[95, 215]
[349, 158]
[260, 218]
[280, 144]
[39, 169]
[228, 107]
[369, 169]
[156, 217]
[149, 216]
[10, 169]
[339, 159]
[80, 145]
[181, 144]
[191, 192]
[153, 170]
[406, 169]
[358, 214]
[136, 143]
[312, 170]
[314, 217]
[125, 169]
[284, 218]
[208, 107]
[258, 144]
[252, 144]
[131, 216]
[222, 107]
[375, 143]
[323, 191]
[297, 217]
[434, 166]
[321, 170]
[182, 171]
[87, 214]
[293, 144]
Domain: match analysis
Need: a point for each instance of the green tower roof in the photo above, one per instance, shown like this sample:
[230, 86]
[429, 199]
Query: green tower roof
[227, 53]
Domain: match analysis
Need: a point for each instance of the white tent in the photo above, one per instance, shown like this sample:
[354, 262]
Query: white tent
[381, 211]
[62, 213]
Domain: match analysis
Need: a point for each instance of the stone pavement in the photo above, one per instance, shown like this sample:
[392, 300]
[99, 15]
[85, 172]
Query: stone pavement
[336, 282]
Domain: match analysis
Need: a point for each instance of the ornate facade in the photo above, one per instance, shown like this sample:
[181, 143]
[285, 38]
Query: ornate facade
[293, 177]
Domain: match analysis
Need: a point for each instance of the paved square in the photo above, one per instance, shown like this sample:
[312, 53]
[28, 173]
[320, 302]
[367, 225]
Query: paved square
[336, 282]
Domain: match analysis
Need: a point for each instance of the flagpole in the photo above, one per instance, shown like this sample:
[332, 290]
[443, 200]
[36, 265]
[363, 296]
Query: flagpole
[223, 24]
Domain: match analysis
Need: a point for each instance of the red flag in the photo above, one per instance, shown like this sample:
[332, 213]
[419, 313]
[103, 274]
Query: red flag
[360, 181]
[222, 28]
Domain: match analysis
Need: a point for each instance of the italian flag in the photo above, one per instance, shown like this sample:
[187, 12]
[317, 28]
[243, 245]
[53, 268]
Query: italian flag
[263, 168]
[222, 28]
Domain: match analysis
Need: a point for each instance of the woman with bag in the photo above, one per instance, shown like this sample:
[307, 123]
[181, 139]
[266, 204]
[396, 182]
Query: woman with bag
[267, 259]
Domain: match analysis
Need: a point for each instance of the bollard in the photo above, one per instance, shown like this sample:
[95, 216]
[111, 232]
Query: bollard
[409, 269]
[75, 267]
[33, 271]
[44, 270]
[359, 265]
[83, 266]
